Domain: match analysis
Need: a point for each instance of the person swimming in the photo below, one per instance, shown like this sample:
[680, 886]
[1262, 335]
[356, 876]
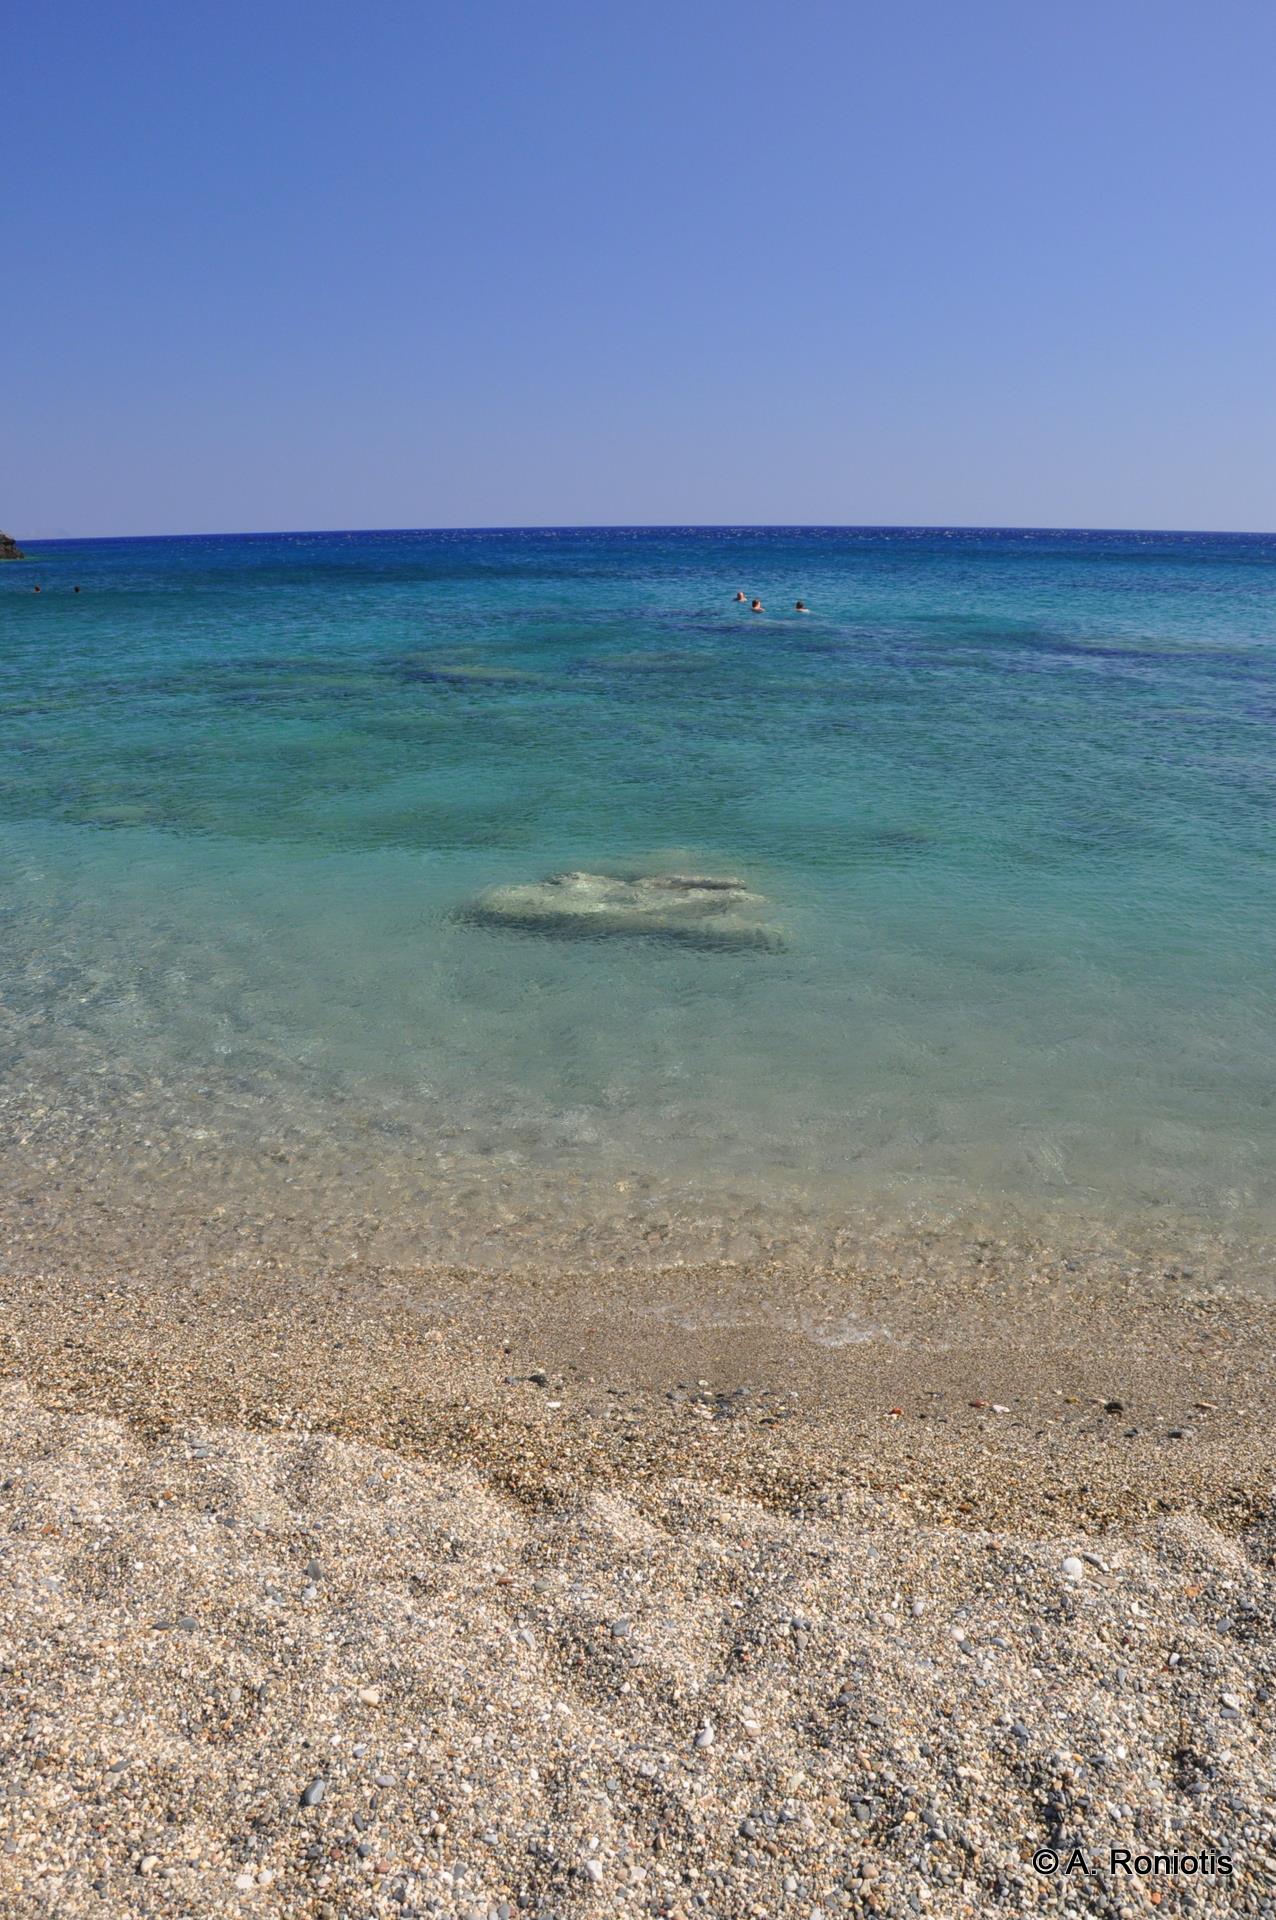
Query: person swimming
[740, 596]
[800, 606]
[756, 606]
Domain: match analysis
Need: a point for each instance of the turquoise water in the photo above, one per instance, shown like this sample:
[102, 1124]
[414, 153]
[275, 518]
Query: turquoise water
[1010, 797]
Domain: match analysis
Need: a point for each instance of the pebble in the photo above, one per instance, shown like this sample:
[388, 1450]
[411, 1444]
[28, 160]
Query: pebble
[593, 1871]
[370, 1696]
[620, 1629]
[1073, 1568]
[704, 1737]
[314, 1792]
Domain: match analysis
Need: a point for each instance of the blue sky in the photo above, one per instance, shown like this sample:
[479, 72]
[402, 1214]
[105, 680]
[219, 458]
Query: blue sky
[300, 265]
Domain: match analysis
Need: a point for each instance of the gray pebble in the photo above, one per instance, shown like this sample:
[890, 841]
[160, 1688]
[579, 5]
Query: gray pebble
[314, 1793]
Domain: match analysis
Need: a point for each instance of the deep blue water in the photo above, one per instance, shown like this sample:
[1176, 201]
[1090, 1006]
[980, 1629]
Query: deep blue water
[1011, 797]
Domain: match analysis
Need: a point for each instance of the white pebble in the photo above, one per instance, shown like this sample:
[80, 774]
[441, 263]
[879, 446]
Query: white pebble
[704, 1737]
[1232, 1700]
[1073, 1568]
[370, 1696]
[593, 1871]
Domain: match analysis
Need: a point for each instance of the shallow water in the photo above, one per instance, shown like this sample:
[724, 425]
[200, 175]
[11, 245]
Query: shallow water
[1009, 796]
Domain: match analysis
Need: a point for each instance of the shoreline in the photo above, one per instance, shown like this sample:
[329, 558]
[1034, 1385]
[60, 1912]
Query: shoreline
[1149, 1382]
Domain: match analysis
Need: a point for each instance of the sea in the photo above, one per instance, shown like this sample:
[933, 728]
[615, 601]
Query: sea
[1009, 797]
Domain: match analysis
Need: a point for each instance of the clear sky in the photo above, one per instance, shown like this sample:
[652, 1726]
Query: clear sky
[486, 262]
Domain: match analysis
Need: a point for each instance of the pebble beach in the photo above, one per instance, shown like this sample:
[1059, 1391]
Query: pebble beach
[359, 1597]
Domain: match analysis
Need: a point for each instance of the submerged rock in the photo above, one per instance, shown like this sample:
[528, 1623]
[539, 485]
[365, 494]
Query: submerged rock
[709, 910]
[463, 673]
[9, 548]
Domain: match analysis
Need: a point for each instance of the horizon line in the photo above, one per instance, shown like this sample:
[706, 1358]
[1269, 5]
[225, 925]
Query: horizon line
[654, 526]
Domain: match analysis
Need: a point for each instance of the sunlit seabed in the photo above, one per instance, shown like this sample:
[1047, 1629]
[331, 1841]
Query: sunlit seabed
[1010, 800]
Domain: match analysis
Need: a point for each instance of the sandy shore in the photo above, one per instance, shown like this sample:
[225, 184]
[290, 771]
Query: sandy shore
[716, 1591]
